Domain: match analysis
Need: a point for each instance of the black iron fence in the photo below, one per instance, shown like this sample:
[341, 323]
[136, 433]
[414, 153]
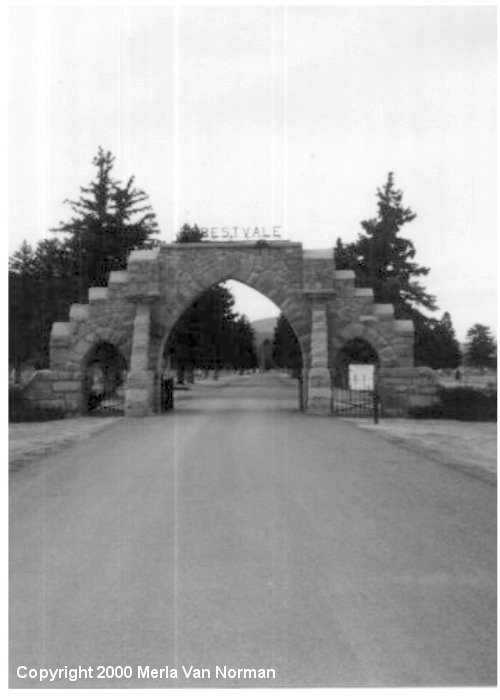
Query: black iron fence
[110, 402]
[105, 392]
[356, 403]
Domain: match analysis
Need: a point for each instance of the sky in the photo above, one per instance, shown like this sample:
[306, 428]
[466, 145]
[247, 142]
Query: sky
[261, 116]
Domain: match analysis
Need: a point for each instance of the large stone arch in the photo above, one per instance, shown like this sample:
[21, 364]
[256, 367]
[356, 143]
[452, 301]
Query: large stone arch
[138, 309]
[188, 270]
[296, 314]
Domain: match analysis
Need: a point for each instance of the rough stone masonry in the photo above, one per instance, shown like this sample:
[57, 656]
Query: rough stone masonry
[138, 309]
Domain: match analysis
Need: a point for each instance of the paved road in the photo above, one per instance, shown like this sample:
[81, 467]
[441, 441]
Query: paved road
[237, 532]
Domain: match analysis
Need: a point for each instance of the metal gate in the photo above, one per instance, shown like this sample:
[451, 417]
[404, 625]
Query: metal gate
[166, 394]
[356, 403]
[105, 394]
[355, 388]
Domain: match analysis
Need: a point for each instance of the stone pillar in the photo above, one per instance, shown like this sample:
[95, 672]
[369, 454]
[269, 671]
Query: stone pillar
[319, 386]
[140, 382]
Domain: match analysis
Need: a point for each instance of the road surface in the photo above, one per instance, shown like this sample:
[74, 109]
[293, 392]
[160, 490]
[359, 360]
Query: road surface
[236, 532]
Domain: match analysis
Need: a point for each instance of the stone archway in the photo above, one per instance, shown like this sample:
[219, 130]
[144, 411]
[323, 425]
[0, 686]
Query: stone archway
[104, 374]
[298, 318]
[356, 352]
[140, 305]
[167, 361]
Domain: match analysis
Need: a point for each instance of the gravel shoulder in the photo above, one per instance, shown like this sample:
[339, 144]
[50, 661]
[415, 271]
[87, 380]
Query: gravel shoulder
[29, 441]
[470, 447]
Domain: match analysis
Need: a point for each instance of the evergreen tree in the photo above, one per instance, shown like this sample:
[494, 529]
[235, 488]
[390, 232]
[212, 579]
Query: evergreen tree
[286, 348]
[243, 352]
[481, 347]
[42, 284]
[451, 356]
[436, 345]
[109, 222]
[202, 336]
[384, 260]
[23, 311]
[189, 234]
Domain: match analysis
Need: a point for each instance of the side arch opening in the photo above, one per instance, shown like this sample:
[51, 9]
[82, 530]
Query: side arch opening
[355, 373]
[104, 377]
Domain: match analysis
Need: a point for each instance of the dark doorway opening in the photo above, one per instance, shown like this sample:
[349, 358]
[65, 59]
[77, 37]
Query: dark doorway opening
[104, 381]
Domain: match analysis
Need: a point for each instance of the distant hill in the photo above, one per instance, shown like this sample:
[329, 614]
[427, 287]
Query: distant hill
[265, 325]
[264, 329]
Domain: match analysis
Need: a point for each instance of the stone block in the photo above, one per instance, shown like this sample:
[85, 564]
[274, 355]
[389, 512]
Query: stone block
[81, 348]
[97, 294]
[344, 276]
[140, 379]
[139, 362]
[66, 386]
[41, 375]
[79, 312]
[74, 403]
[364, 292]
[139, 256]
[318, 254]
[61, 329]
[39, 390]
[386, 353]
[405, 361]
[383, 310]
[60, 334]
[356, 330]
[319, 378]
[139, 395]
[117, 278]
[53, 404]
[404, 326]
[67, 375]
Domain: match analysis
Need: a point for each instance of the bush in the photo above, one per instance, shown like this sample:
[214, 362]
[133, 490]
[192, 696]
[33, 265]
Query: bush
[435, 411]
[22, 411]
[461, 403]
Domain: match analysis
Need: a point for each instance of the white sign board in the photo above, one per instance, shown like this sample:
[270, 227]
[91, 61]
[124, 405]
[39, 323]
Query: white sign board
[361, 377]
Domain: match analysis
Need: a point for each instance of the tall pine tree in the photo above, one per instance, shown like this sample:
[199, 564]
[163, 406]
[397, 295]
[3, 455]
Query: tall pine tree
[385, 261]
[436, 344]
[286, 349]
[109, 220]
[481, 346]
